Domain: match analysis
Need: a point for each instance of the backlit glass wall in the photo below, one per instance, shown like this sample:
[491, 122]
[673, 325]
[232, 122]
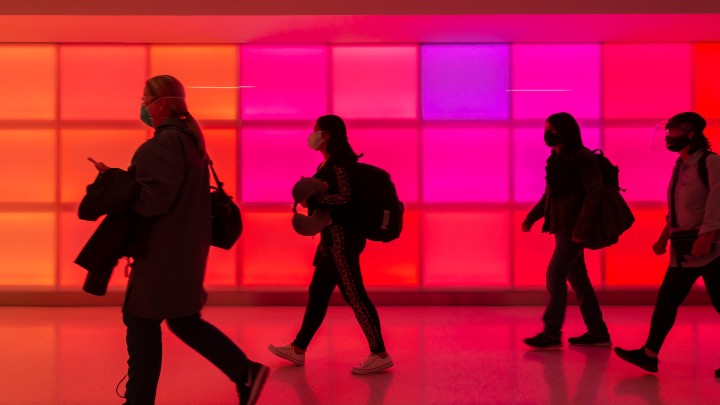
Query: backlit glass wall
[459, 127]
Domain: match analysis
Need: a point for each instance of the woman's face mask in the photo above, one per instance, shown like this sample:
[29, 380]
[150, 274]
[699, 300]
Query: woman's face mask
[676, 140]
[316, 140]
[145, 116]
[551, 138]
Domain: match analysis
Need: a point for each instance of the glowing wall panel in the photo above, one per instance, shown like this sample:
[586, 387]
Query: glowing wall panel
[458, 168]
[221, 146]
[465, 81]
[530, 154]
[102, 82]
[221, 268]
[532, 252]
[644, 172]
[647, 80]
[466, 249]
[272, 253]
[73, 234]
[28, 165]
[632, 262]
[28, 82]
[28, 249]
[208, 72]
[553, 78]
[291, 82]
[273, 160]
[394, 150]
[395, 263]
[375, 81]
[707, 80]
[115, 148]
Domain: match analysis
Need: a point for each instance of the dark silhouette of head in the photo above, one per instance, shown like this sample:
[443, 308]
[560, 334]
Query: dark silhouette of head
[691, 121]
[337, 146]
[568, 130]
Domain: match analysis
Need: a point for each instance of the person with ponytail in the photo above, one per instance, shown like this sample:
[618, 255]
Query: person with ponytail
[166, 282]
[691, 226]
[337, 259]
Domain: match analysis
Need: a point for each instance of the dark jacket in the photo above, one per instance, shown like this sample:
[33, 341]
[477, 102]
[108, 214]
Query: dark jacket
[573, 189]
[167, 280]
[339, 202]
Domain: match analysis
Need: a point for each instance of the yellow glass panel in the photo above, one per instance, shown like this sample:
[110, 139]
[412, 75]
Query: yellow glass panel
[115, 148]
[28, 82]
[27, 165]
[102, 82]
[208, 72]
[27, 249]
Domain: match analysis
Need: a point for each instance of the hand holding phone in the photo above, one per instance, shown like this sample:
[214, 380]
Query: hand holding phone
[100, 166]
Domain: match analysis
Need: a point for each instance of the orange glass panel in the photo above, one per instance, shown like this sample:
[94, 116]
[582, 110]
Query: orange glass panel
[394, 263]
[28, 82]
[208, 72]
[707, 80]
[102, 82]
[460, 251]
[28, 165]
[632, 262]
[222, 148]
[27, 249]
[115, 148]
[532, 252]
[73, 234]
[272, 253]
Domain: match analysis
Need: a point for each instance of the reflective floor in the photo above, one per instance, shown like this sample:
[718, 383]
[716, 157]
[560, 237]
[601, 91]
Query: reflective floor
[443, 355]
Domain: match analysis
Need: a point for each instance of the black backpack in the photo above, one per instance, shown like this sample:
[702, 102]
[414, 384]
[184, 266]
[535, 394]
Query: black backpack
[378, 210]
[613, 216]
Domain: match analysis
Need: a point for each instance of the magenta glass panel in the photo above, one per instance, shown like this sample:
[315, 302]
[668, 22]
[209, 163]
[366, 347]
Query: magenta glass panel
[375, 81]
[529, 156]
[457, 166]
[465, 81]
[394, 150]
[290, 81]
[102, 82]
[458, 249]
[551, 78]
[273, 160]
[644, 172]
[646, 80]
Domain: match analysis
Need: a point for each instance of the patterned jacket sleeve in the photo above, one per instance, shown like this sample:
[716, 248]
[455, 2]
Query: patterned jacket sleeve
[339, 192]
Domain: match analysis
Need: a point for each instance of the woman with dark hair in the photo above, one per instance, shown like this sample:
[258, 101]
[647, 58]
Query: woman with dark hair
[337, 259]
[166, 282]
[573, 184]
[691, 226]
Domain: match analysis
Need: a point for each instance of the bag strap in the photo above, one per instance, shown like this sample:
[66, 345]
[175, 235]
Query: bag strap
[673, 186]
[702, 168]
[215, 176]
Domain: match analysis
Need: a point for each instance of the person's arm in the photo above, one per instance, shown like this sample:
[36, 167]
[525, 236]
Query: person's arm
[339, 192]
[537, 212]
[159, 170]
[592, 185]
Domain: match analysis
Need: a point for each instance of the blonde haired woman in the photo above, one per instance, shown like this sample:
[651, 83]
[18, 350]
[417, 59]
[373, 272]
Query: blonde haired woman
[166, 282]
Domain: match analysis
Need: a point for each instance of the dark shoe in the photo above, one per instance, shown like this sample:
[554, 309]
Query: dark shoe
[543, 342]
[590, 340]
[250, 391]
[639, 358]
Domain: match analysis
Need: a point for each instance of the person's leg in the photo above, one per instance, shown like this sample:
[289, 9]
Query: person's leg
[319, 293]
[144, 345]
[564, 257]
[212, 344]
[587, 300]
[711, 277]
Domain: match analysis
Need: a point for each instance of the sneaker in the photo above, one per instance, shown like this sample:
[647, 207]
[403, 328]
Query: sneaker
[373, 364]
[288, 353]
[639, 358]
[543, 342]
[590, 340]
[250, 391]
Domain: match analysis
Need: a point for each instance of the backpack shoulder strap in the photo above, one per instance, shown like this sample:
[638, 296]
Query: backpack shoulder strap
[703, 170]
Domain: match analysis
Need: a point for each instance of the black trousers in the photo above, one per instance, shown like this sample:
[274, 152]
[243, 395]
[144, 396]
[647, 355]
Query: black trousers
[144, 344]
[674, 289]
[568, 264]
[340, 267]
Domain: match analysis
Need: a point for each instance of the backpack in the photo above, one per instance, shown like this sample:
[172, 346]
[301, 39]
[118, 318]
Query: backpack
[377, 208]
[613, 215]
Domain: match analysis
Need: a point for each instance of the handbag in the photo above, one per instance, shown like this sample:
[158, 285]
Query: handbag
[226, 219]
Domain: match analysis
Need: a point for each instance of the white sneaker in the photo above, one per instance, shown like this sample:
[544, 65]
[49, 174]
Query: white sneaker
[288, 353]
[373, 364]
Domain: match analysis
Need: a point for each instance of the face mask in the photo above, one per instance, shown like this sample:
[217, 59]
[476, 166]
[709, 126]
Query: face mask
[145, 116]
[676, 143]
[315, 140]
[551, 138]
